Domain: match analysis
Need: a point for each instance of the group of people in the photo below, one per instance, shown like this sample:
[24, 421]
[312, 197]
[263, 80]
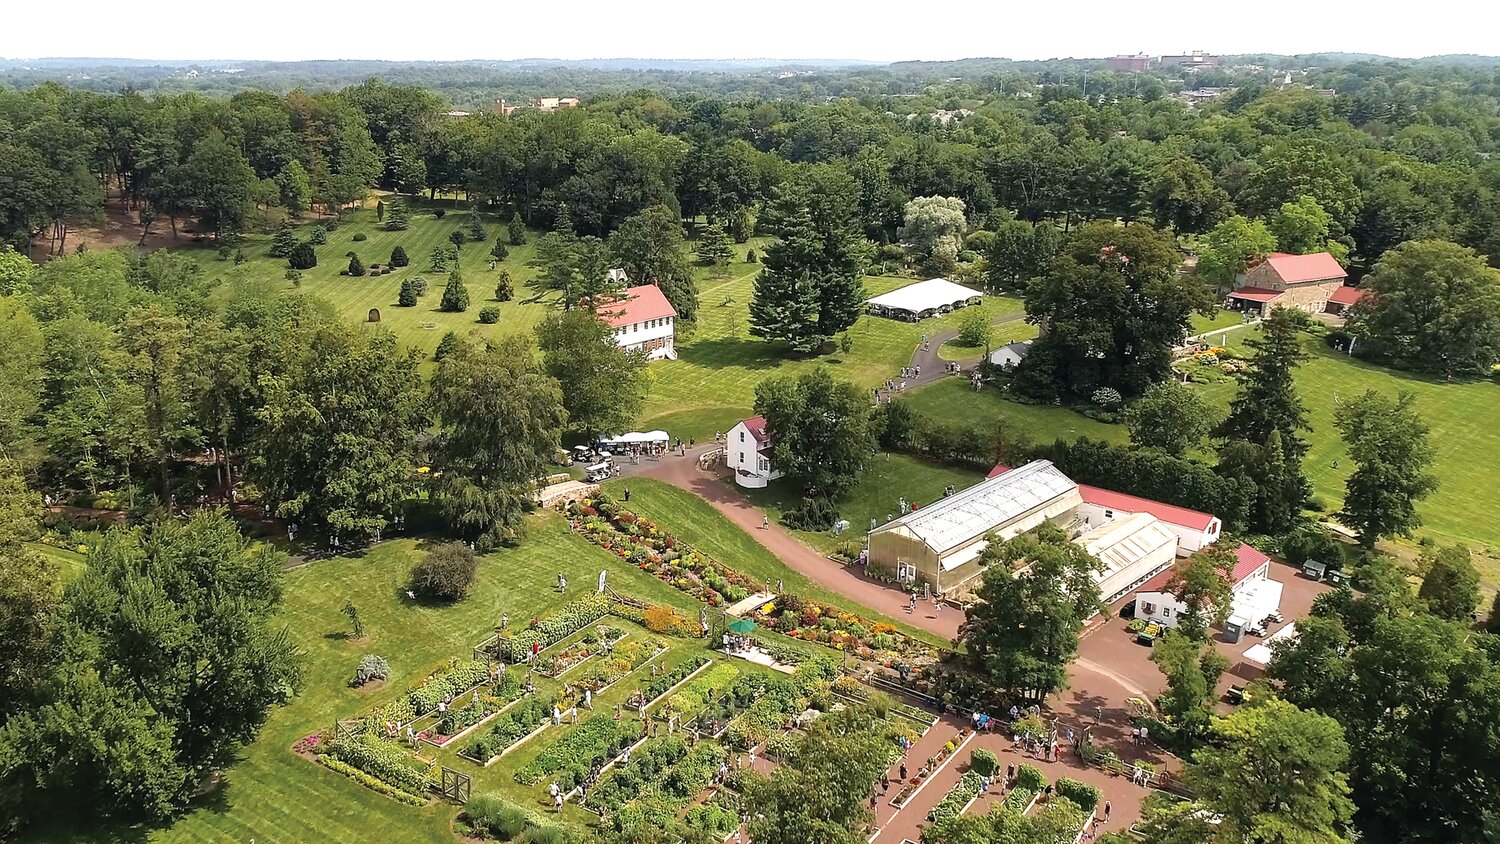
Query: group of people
[734, 644]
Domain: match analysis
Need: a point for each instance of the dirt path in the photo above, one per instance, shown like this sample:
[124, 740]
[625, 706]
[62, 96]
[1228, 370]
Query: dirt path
[682, 472]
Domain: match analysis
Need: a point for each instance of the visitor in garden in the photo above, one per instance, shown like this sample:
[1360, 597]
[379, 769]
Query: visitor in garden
[552, 789]
[765, 522]
[588, 698]
[556, 715]
[903, 771]
[504, 620]
[627, 494]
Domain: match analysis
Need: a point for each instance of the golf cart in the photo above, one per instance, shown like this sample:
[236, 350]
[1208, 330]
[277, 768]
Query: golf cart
[599, 472]
[582, 454]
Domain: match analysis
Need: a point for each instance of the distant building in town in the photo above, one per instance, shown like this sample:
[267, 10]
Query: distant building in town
[1196, 96]
[1196, 60]
[1129, 64]
[1304, 282]
[747, 453]
[643, 319]
[504, 106]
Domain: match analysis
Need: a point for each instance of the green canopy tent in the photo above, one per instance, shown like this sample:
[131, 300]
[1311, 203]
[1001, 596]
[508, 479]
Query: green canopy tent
[741, 626]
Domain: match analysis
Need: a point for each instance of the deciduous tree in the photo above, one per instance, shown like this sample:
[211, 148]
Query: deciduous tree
[821, 437]
[1387, 440]
[603, 385]
[1170, 417]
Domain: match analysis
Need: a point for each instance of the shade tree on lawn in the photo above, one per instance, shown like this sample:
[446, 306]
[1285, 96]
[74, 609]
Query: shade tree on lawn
[1114, 305]
[650, 248]
[820, 430]
[335, 438]
[501, 418]
[603, 385]
[1171, 417]
[1387, 439]
[166, 659]
[932, 230]
[1023, 630]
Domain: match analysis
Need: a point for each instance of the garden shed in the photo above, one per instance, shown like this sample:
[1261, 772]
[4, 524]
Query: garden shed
[924, 299]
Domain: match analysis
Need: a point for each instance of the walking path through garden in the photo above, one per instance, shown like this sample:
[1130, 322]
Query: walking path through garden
[683, 472]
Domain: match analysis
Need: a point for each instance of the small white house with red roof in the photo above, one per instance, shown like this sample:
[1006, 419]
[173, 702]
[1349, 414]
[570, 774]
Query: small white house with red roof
[748, 453]
[1253, 594]
[644, 320]
[1304, 282]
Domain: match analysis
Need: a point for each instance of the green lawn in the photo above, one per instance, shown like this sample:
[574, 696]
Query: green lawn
[712, 383]
[272, 795]
[1007, 332]
[423, 325]
[696, 522]
[69, 563]
[887, 479]
[1461, 415]
[1222, 318]
[709, 387]
[953, 400]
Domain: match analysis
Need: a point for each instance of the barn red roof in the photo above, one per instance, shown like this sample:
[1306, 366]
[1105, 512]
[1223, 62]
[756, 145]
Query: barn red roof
[1099, 497]
[1169, 513]
[1255, 294]
[1346, 295]
[757, 428]
[637, 304]
[1292, 269]
[1247, 560]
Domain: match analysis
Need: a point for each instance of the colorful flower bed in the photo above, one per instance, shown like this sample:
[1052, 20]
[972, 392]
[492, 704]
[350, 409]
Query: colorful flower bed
[515, 645]
[966, 789]
[642, 543]
[507, 729]
[568, 760]
[624, 659]
[594, 641]
[825, 624]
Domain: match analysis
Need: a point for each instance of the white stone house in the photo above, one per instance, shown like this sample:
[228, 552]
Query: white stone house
[643, 319]
[748, 453]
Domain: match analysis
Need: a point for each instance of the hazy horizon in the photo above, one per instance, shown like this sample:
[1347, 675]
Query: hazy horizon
[774, 30]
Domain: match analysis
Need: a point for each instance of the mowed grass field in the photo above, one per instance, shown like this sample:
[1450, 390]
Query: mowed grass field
[708, 388]
[1464, 435]
[422, 326]
[272, 795]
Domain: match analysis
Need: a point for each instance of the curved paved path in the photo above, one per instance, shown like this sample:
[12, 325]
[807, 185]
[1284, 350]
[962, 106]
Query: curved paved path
[683, 472]
[933, 365]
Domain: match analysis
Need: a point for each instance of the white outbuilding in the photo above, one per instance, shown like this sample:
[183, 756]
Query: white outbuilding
[1010, 355]
[924, 299]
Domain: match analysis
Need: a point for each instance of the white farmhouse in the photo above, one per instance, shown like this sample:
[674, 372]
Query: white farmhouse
[748, 453]
[643, 319]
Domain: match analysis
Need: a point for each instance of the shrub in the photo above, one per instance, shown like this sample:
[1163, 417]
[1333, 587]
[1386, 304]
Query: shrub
[419, 284]
[984, 763]
[1107, 398]
[1030, 777]
[360, 236]
[497, 817]
[974, 328]
[370, 782]
[356, 266]
[439, 212]
[1085, 795]
[812, 514]
[750, 256]
[303, 257]
[445, 573]
[489, 315]
[455, 294]
[319, 235]
[503, 289]
[443, 685]
[295, 277]
[407, 298]
[399, 257]
[371, 667]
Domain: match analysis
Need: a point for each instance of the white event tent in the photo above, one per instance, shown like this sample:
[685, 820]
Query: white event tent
[924, 299]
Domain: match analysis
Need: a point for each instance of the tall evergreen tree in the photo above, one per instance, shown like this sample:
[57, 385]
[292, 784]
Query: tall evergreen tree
[1262, 435]
[784, 304]
[455, 294]
[713, 247]
[407, 298]
[283, 242]
[398, 217]
[516, 230]
[399, 257]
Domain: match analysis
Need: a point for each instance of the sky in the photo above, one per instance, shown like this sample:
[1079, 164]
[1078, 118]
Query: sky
[878, 30]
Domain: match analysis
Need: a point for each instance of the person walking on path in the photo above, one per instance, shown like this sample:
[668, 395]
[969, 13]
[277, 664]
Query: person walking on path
[1106, 811]
[765, 522]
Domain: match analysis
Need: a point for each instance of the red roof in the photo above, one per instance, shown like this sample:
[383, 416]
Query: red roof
[1255, 294]
[1319, 266]
[757, 428]
[1346, 295]
[1169, 513]
[637, 304]
[1099, 497]
[1247, 560]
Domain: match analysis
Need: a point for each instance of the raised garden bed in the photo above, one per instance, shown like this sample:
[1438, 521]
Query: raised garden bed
[919, 779]
[510, 729]
[963, 793]
[568, 760]
[595, 641]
